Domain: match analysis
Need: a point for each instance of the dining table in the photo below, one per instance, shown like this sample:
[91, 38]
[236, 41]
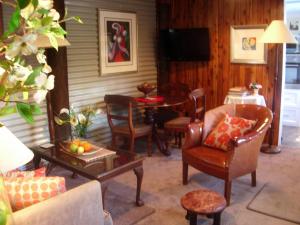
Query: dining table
[151, 105]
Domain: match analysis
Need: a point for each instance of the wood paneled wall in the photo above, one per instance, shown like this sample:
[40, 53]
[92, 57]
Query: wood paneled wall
[218, 75]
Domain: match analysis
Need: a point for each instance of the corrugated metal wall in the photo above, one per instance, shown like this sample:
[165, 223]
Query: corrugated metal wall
[86, 86]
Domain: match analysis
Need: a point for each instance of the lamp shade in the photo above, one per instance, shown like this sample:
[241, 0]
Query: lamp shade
[42, 41]
[13, 153]
[277, 32]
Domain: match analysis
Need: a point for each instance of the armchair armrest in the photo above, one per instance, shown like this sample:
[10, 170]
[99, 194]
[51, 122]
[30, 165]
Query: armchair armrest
[193, 135]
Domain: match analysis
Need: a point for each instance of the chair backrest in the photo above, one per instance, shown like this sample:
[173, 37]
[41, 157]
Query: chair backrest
[198, 99]
[119, 109]
[261, 114]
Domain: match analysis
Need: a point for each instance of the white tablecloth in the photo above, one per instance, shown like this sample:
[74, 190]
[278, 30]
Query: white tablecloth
[249, 99]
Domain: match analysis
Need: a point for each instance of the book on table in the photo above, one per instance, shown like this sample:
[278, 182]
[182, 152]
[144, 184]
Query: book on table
[238, 91]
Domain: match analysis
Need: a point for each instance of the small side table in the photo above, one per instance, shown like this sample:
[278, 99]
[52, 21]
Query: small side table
[203, 202]
[248, 99]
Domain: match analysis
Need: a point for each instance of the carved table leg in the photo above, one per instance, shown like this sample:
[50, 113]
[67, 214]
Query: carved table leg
[139, 172]
[49, 168]
[161, 144]
[36, 161]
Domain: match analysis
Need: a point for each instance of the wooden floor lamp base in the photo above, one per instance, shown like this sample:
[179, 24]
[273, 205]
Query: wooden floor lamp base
[270, 149]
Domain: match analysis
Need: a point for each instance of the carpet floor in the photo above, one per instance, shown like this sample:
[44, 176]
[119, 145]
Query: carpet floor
[162, 189]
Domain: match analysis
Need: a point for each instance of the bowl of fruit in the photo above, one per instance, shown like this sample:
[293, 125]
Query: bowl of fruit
[79, 147]
[146, 88]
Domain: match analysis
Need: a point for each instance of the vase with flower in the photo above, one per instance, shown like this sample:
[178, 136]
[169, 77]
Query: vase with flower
[255, 87]
[79, 121]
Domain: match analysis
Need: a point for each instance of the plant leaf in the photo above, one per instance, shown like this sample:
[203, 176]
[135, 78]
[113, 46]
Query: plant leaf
[23, 3]
[31, 78]
[35, 3]
[77, 19]
[52, 40]
[14, 21]
[7, 110]
[25, 112]
[36, 109]
[2, 91]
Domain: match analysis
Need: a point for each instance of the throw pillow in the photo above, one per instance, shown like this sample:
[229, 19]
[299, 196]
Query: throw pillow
[229, 127]
[24, 192]
[41, 172]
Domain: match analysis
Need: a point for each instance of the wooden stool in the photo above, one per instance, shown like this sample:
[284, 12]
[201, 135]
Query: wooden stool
[203, 202]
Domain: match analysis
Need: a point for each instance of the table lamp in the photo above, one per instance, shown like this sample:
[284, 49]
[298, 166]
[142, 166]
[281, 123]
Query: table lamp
[13, 154]
[276, 33]
[43, 41]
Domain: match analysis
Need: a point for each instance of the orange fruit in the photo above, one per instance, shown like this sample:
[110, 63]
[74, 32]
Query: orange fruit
[87, 147]
[76, 142]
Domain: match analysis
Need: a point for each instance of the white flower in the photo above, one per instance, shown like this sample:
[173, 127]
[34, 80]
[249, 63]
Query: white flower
[47, 68]
[64, 110]
[27, 11]
[73, 121]
[20, 73]
[22, 44]
[54, 14]
[44, 82]
[40, 95]
[40, 56]
[46, 4]
[1, 71]
[81, 118]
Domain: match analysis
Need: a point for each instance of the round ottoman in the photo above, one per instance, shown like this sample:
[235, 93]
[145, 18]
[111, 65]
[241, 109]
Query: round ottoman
[203, 202]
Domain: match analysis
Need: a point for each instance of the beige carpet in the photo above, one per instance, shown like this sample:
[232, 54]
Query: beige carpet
[162, 188]
[278, 200]
[117, 202]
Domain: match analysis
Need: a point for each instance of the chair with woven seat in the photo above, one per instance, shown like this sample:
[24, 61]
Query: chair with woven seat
[120, 119]
[178, 126]
[242, 152]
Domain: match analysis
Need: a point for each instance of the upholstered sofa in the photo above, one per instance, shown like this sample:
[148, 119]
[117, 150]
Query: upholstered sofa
[79, 206]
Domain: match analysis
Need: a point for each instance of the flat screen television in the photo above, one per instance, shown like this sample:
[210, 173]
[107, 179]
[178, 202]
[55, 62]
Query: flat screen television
[185, 44]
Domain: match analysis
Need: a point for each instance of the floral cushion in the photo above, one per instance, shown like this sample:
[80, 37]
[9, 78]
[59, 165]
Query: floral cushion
[41, 172]
[24, 192]
[229, 127]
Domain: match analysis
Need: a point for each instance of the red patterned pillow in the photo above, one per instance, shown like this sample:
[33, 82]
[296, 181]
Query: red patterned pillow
[41, 172]
[24, 192]
[228, 128]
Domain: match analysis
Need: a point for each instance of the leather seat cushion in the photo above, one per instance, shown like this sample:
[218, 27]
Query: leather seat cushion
[178, 123]
[210, 156]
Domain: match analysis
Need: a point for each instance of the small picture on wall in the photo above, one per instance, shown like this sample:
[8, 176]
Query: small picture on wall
[245, 46]
[118, 42]
[249, 43]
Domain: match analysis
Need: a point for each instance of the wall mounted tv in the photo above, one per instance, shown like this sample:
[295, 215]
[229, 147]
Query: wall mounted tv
[185, 44]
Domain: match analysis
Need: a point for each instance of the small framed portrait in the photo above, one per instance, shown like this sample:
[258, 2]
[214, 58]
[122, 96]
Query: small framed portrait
[245, 46]
[118, 41]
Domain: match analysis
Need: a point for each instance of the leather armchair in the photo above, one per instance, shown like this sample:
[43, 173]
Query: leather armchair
[242, 156]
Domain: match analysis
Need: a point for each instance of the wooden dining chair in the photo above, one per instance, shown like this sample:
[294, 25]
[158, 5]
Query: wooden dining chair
[120, 119]
[171, 90]
[196, 111]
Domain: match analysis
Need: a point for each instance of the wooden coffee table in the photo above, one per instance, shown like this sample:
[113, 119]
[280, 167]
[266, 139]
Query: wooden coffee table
[100, 170]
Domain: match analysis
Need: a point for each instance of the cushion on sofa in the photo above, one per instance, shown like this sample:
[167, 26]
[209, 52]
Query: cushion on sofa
[229, 127]
[24, 192]
[41, 172]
